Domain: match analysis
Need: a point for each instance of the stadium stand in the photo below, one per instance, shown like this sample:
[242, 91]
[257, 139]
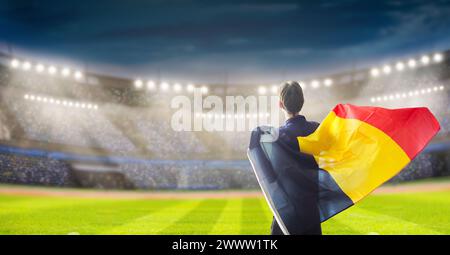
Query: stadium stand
[34, 170]
[162, 140]
[5, 133]
[128, 142]
[77, 127]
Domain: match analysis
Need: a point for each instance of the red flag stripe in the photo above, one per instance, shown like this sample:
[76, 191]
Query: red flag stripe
[410, 128]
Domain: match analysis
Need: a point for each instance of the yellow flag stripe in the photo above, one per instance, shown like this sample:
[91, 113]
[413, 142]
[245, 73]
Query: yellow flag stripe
[357, 155]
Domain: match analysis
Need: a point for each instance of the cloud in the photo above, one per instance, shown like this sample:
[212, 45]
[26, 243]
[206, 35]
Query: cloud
[247, 39]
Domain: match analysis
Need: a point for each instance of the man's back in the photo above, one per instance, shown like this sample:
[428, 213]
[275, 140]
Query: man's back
[294, 127]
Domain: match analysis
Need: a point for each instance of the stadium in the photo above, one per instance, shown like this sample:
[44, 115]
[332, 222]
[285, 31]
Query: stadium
[84, 152]
[80, 131]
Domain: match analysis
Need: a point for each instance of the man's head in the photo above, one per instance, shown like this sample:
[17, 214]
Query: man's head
[291, 97]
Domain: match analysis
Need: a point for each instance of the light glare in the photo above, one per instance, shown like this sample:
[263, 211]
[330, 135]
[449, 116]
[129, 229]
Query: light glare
[15, 63]
[78, 75]
[165, 86]
[138, 84]
[412, 63]
[177, 87]
[438, 57]
[151, 85]
[26, 66]
[40, 68]
[425, 60]
[65, 72]
[262, 90]
[52, 70]
[400, 66]
[274, 89]
[374, 72]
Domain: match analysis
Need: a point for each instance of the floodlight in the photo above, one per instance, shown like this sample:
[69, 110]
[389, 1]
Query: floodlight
[375, 72]
[138, 84]
[274, 89]
[40, 68]
[425, 60]
[190, 87]
[26, 66]
[78, 75]
[165, 86]
[15, 63]
[262, 90]
[52, 70]
[438, 57]
[400, 66]
[65, 72]
[177, 87]
[151, 85]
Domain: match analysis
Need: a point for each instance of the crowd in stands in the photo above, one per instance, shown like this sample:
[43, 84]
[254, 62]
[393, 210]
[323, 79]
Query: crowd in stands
[425, 165]
[75, 126]
[151, 174]
[5, 133]
[238, 141]
[177, 160]
[171, 174]
[163, 141]
[34, 170]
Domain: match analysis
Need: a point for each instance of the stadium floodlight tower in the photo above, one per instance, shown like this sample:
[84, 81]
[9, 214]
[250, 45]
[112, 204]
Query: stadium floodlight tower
[26, 66]
[387, 69]
[190, 87]
[151, 85]
[437, 57]
[177, 87]
[138, 84]
[425, 60]
[15, 63]
[78, 75]
[40, 68]
[65, 71]
[400, 66]
[165, 86]
[375, 72]
[262, 90]
[411, 63]
[274, 89]
[52, 70]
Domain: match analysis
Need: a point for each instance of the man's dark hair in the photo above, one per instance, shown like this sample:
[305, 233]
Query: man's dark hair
[291, 95]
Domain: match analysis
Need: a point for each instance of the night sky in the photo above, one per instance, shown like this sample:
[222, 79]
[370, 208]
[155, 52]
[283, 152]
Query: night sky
[219, 41]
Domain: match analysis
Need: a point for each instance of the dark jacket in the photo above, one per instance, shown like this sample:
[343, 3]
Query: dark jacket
[310, 216]
[295, 127]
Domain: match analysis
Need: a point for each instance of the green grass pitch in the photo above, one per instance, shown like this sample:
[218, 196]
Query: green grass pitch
[412, 213]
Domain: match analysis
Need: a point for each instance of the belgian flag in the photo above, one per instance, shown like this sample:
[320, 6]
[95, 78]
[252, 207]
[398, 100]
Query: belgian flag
[352, 152]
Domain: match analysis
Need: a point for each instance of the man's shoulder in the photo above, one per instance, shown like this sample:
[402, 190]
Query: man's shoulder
[314, 124]
[311, 126]
[299, 128]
